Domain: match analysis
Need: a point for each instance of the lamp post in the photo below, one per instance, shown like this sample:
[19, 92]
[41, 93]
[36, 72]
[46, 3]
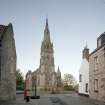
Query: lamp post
[35, 86]
[35, 79]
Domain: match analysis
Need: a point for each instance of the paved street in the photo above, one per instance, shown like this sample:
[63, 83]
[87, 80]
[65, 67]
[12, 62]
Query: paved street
[55, 99]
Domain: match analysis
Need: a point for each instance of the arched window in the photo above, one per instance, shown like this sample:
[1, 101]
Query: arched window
[38, 82]
[46, 76]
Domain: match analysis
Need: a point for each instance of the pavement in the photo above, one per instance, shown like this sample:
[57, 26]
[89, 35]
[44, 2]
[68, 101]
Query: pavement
[54, 99]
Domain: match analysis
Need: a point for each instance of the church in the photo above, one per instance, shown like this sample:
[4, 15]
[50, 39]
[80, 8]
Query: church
[45, 76]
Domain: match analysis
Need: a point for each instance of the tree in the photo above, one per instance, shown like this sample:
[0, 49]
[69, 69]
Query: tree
[69, 82]
[19, 80]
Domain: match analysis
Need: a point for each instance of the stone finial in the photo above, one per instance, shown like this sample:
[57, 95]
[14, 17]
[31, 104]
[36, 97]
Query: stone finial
[86, 46]
[58, 72]
[58, 69]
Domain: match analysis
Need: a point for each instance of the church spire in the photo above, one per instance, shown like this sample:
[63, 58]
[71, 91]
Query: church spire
[58, 69]
[46, 23]
[47, 32]
[58, 73]
[86, 47]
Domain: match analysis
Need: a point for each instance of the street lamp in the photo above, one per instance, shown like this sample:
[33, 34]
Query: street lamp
[35, 86]
[35, 80]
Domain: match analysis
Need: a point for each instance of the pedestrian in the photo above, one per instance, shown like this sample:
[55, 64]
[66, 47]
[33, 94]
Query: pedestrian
[27, 96]
[25, 93]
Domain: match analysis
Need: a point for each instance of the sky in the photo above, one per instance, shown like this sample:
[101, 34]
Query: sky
[72, 24]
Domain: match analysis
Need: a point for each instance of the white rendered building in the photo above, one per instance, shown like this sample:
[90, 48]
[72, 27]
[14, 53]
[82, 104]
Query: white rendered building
[84, 74]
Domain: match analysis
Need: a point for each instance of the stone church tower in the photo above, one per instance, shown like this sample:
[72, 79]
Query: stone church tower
[7, 63]
[47, 57]
[46, 71]
[46, 77]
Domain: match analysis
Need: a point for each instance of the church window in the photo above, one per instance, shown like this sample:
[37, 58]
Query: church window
[47, 46]
[86, 87]
[80, 78]
[45, 76]
[96, 85]
[38, 82]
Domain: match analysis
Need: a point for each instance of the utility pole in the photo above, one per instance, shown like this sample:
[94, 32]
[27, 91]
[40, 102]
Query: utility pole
[35, 85]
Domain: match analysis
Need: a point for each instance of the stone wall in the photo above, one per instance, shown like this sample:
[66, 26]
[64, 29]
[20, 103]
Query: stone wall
[8, 65]
[97, 73]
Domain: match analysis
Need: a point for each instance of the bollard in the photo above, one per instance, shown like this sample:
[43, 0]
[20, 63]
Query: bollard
[27, 99]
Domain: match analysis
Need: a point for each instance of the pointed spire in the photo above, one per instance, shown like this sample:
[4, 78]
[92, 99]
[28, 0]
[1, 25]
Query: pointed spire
[46, 23]
[58, 69]
[58, 72]
[47, 32]
[86, 47]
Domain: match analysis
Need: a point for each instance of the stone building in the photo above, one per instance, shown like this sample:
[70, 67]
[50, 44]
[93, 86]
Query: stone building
[84, 73]
[7, 63]
[29, 80]
[97, 70]
[45, 76]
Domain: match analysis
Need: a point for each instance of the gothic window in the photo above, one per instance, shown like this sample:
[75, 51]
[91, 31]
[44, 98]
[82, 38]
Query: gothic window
[80, 78]
[38, 82]
[96, 85]
[86, 87]
[47, 46]
[96, 63]
[46, 76]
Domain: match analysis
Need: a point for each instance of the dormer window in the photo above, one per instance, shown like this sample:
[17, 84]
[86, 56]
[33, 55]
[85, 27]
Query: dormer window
[101, 40]
[99, 43]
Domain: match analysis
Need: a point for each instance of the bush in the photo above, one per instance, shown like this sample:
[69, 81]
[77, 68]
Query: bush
[68, 88]
[20, 86]
[19, 80]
